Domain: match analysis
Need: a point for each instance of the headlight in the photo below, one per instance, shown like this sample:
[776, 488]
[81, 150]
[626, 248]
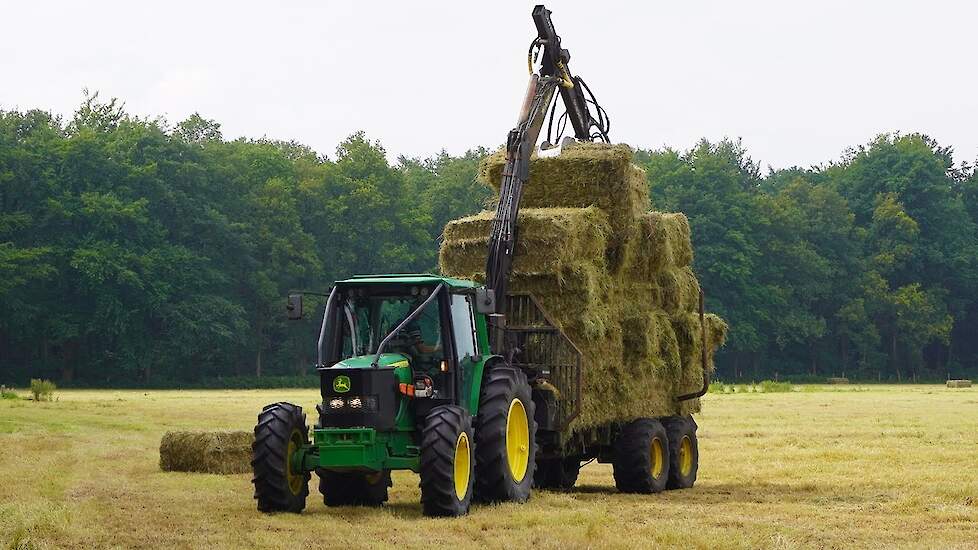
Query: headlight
[353, 403]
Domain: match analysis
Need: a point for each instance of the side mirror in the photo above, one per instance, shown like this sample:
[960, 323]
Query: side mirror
[294, 307]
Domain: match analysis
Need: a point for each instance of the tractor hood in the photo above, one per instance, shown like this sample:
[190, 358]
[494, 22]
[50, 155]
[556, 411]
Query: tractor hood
[364, 361]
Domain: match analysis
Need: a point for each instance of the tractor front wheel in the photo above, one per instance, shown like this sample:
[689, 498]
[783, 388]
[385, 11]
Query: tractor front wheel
[446, 462]
[354, 488]
[505, 434]
[280, 433]
[641, 463]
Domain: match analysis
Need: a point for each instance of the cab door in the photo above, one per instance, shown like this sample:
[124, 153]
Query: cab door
[466, 348]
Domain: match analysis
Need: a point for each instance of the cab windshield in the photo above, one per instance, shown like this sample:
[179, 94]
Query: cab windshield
[367, 320]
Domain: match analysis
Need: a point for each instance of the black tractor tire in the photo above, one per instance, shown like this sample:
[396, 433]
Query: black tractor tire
[684, 453]
[353, 488]
[447, 461]
[641, 463]
[557, 474]
[281, 430]
[505, 437]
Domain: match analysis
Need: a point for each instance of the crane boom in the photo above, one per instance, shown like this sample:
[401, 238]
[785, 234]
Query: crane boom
[553, 74]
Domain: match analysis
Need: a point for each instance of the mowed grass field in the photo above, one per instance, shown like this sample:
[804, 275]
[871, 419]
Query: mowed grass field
[840, 467]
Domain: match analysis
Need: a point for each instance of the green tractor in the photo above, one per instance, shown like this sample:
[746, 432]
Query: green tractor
[411, 385]
[466, 384]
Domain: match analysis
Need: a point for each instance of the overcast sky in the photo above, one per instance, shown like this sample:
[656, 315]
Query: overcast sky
[799, 82]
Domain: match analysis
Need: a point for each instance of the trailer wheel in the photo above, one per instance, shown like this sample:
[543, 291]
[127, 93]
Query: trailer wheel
[641, 463]
[353, 488]
[557, 474]
[281, 431]
[684, 455]
[447, 462]
[505, 437]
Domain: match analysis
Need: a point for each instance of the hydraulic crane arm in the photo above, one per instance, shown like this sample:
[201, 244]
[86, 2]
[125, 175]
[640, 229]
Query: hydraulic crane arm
[553, 74]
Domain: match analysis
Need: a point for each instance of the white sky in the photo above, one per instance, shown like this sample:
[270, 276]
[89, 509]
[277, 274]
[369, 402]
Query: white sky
[799, 82]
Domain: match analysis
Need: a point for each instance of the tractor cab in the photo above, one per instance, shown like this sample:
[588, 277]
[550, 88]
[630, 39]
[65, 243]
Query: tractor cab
[418, 334]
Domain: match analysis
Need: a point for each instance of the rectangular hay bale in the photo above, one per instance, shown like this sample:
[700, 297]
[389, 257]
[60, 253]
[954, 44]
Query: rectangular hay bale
[223, 452]
[550, 240]
[959, 383]
[584, 174]
[680, 289]
[663, 242]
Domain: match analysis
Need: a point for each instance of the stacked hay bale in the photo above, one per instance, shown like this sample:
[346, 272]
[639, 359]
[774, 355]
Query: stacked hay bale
[616, 278]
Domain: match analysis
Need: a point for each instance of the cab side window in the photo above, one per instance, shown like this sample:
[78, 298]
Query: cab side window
[463, 326]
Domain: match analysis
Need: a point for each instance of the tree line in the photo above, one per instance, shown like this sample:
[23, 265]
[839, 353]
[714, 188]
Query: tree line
[138, 252]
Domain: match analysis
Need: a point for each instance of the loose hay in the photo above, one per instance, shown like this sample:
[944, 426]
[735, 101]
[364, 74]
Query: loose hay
[207, 452]
[613, 277]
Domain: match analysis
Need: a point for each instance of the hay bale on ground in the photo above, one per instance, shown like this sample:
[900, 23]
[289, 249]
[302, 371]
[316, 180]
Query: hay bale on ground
[207, 452]
[837, 380]
[959, 383]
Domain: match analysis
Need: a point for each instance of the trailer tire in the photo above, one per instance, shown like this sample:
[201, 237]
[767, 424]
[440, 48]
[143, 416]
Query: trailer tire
[505, 436]
[557, 474]
[641, 463]
[353, 488]
[684, 455]
[280, 432]
[447, 462]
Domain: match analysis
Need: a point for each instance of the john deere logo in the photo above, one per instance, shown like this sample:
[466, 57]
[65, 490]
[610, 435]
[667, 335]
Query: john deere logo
[341, 384]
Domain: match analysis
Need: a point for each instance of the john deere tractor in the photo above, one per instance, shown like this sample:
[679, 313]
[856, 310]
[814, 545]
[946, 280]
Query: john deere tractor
[452, 379]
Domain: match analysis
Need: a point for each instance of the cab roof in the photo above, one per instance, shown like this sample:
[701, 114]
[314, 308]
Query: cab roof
[408, 279]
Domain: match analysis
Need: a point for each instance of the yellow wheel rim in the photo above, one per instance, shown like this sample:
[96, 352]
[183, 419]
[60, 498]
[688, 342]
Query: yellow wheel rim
[295, 480]
[517, 440]
[685, 456]
[462, 465]
[656, 458]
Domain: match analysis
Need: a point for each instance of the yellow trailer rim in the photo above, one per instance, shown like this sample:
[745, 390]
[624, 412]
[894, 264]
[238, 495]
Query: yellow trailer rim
[685, 456]
[657, 458]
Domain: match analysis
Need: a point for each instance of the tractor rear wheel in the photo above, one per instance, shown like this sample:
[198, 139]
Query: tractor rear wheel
[684, 454]
[281, 431]
[353, 488]
[557, 474]
[447, 462]
[641, 463]
[505, 437]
